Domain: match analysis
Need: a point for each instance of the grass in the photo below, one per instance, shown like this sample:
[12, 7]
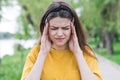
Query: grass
[116, 55]
[11, 66]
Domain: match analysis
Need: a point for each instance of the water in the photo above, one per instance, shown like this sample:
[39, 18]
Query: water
[10, 14]
[7, 45]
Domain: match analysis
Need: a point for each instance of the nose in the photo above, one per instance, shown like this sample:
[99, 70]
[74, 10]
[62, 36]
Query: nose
[60, 32]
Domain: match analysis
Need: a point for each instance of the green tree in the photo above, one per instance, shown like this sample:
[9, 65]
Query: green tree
[101, 18]
[109, 16]
[30, 17]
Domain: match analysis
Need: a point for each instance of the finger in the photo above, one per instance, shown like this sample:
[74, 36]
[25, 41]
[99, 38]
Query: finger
[72, 25]
[45, 31]
[73, 29]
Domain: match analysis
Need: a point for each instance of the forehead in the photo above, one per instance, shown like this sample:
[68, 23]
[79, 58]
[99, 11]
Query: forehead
[58, 21]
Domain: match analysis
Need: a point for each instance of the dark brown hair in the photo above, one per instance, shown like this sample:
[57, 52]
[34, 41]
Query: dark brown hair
[64, 10]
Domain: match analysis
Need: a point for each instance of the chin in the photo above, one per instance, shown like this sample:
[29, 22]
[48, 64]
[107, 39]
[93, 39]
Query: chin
[61, 44]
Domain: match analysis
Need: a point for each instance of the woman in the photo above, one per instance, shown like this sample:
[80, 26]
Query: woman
[63, 53]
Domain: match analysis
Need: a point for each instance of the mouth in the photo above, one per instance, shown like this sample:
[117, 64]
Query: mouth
[59, 39]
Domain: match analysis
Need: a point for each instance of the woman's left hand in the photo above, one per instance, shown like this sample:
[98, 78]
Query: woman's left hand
[73, 42]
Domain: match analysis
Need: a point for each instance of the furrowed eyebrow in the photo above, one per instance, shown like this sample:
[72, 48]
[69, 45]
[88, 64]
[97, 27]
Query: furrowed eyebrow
[53, 26]
[62, 27]
[66, 26]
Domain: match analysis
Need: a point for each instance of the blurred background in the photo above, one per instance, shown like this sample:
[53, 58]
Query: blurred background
[19, 30]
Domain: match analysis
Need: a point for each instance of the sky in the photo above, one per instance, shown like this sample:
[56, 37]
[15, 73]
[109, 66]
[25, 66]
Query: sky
[9, 16]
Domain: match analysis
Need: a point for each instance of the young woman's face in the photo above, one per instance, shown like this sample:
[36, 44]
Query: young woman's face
[59, 31]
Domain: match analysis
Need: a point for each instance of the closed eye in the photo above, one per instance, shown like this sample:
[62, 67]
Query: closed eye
[65, 28]
[53, 28]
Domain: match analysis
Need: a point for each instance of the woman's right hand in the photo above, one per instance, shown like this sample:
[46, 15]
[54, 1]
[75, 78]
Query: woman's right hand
[45, 41]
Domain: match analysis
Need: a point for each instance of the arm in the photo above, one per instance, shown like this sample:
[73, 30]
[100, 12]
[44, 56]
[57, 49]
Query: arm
[37, 68]
[86, 73]
[35, 73]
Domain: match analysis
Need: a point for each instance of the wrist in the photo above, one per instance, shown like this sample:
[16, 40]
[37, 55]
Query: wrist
[43, 54]
[78, 52]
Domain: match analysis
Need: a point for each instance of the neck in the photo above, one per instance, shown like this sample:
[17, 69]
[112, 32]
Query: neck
[63, 47]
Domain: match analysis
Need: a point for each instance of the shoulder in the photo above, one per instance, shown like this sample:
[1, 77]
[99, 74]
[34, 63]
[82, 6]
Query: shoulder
[89, 50]
[34, 51]
[89, 53]
[36, 47]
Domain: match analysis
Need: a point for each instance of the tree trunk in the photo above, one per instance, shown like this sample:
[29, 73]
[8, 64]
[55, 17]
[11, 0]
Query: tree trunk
[103, 42]
[109, 42]
[28, 15]
[108, 14]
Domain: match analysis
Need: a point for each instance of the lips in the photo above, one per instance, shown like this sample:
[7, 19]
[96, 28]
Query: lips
[59, 39]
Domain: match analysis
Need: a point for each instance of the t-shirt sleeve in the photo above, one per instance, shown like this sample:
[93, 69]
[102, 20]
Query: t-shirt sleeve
[93, 64]
[30, 61]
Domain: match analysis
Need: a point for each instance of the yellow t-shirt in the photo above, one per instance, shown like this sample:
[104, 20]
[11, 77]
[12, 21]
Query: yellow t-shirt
[59, 65]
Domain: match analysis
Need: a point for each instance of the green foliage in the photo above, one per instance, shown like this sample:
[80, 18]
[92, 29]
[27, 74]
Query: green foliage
[115, 58]
[24, 29]
[92, 15]
[12, 66]
[33, 9]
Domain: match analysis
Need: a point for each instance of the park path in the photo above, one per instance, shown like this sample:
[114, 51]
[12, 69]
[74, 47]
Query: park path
[109, 70]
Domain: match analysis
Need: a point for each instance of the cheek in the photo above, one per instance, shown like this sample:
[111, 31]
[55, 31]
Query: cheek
[68, 33]
[51, 34]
